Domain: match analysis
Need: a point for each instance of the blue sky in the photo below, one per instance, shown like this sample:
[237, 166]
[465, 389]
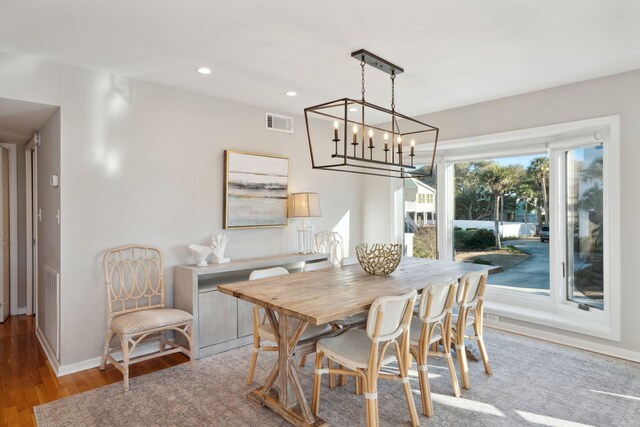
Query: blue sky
[521, 160]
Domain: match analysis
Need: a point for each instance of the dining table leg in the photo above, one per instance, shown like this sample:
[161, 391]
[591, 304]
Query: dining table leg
[282, 392]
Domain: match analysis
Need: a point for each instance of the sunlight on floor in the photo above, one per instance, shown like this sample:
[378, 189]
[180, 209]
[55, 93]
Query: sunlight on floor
[548, 421]
[470, 405]
[616, 395]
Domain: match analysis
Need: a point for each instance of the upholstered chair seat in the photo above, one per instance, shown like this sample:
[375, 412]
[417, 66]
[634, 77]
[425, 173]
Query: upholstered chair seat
[147, 320]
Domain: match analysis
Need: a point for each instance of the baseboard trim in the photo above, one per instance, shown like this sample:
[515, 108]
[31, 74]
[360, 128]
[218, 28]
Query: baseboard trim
[146, 347]
[578, 343]
[53, 362]
[20, 311]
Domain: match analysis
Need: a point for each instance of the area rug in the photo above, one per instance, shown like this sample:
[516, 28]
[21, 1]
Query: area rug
[534, 383]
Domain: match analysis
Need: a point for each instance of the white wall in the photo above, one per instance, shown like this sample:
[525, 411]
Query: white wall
[143, 163]
[618, 94]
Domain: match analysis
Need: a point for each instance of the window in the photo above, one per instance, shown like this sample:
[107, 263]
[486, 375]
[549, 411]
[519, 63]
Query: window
[501, 208]
[418, 212]
[578, 222]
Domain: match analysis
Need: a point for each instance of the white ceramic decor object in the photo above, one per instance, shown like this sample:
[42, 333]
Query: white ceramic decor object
[219, 245]
[200, 253]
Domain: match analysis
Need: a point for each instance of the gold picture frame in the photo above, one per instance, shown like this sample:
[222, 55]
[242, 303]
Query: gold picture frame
[255, 190]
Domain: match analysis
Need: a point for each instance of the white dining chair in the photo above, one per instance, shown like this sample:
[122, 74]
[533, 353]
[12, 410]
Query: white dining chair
[470, 300]
[262, 329]
[430, 331]
[331, 243]
[363, 352]
[134, 276]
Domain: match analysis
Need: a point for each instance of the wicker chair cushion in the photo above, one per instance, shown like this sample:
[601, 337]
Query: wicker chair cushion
[352, 349]
[416, 331]
[266, 331]
[146, 320]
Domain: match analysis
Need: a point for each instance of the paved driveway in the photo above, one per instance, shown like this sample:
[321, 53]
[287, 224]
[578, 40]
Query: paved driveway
[533, 273]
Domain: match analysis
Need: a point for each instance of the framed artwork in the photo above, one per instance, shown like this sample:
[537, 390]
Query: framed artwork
[255, 190]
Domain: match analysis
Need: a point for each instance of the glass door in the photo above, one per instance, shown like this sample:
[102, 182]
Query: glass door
[584, 232]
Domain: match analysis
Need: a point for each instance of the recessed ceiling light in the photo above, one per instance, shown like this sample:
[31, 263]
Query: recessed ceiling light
[204, 70]
[353, 109]
[291, 93]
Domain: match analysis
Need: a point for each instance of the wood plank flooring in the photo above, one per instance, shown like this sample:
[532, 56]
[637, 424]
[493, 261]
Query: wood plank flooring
[27, 380]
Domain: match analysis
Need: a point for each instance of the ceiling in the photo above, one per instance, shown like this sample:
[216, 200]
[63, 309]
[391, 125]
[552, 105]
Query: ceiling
[454, 52]
[19, 120]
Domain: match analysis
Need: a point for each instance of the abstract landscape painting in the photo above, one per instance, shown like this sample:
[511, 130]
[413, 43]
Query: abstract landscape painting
[256, 190]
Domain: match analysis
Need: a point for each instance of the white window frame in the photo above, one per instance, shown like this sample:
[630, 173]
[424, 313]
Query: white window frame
[553, 310]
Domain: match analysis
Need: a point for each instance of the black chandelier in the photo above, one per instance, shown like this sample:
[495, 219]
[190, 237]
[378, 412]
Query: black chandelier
[376, 145]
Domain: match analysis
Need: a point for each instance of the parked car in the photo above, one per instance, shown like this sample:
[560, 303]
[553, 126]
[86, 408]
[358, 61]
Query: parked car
[544, 233]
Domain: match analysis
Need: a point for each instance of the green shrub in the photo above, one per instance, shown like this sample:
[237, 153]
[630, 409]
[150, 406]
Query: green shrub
[468, 240]
[424, 242]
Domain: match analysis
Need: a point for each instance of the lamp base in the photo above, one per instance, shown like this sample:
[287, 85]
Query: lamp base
[305, 238]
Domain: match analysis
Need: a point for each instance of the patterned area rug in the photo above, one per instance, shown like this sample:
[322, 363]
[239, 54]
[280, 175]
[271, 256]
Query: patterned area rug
[534, 383]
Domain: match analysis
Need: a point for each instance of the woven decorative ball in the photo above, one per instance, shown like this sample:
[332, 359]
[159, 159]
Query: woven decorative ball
[379, 259]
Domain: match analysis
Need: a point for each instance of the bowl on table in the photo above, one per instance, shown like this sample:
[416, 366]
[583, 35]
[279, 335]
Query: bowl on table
[379, 259]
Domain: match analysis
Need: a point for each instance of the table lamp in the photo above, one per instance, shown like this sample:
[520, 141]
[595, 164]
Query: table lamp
[304, 205]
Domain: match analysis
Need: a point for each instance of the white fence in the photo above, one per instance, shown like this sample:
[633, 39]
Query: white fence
[507, 229]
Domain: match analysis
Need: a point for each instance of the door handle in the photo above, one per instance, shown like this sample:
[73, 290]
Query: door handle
[564, 276]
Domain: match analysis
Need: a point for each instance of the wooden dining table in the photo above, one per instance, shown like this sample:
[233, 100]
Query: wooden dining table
[296, 300]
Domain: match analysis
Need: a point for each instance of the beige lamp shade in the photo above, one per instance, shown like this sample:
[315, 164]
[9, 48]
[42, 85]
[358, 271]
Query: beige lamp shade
[303, 205]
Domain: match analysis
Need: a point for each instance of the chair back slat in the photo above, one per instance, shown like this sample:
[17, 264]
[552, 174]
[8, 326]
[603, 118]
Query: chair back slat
[331, 243]
[315, 266]
[472, 286]
[134, 276]
[394, 313]
[437, 300]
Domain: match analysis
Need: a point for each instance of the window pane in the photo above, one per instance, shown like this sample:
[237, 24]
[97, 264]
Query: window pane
[420, 217]
[501, 209]
[585, 265]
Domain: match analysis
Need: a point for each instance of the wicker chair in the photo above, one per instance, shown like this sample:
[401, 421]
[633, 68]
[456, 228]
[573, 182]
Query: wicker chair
[262, 329]
[432, 328]
[134, 276]
[363, 352]
[470, 299]
[330, 242]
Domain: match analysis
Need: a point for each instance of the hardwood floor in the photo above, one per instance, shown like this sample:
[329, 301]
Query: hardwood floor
[27, 380]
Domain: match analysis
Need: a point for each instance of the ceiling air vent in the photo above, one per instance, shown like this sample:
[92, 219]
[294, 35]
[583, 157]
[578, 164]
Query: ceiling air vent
[278, 123]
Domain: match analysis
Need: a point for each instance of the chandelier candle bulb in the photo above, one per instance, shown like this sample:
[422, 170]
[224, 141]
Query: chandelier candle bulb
[413, 143]
[355, 139]
[335, 136]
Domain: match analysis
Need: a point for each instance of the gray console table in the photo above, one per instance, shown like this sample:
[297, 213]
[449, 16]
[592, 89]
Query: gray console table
[222, 322]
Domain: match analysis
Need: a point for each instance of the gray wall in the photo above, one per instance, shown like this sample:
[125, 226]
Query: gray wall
[618, 94]
[143, 163]
[48, 203]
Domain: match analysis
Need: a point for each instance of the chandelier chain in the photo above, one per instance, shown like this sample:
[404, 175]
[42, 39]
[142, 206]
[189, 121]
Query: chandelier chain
[362, 63]
[393, 91]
